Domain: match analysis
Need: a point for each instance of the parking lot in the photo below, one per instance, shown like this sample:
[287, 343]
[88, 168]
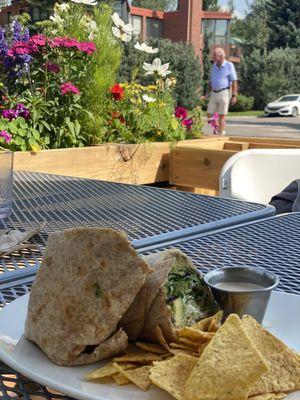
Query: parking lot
[280, 127]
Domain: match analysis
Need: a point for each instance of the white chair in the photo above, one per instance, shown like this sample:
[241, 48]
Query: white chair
[257, 175]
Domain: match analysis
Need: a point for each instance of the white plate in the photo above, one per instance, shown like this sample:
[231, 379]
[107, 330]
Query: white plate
[282, 319]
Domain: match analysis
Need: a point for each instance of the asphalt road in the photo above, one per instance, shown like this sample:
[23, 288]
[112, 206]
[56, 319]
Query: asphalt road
[279, 127]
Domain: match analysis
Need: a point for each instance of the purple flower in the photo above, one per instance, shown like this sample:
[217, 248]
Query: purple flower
[22, 111]
[10, 114]
[67, 88]
[55, 68]
[188, 123]
[87, 47]
[6, 136]
[181, 112]
[3, 43]
[16, 29]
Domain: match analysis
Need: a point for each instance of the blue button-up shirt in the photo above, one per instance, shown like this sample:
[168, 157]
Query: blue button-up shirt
[222, 77]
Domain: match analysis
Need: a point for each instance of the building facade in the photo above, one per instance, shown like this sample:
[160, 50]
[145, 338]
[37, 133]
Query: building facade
[189, 23]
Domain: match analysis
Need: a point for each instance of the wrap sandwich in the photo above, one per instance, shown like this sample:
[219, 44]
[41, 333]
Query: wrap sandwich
[88, 279]
[174, 295]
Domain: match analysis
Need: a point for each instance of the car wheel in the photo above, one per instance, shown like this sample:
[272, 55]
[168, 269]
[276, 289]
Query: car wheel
[295, 112]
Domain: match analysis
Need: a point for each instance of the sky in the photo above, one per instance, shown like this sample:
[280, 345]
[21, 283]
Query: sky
[240, 6]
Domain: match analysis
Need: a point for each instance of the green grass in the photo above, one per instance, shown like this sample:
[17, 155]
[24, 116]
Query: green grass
[253, 113]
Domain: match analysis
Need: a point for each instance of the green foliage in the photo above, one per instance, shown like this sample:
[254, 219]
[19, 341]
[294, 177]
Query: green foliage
[161, 5]
[185, 67]
[101, 74]
[253, 29]
[269, 75]
[284, 23]
[146, 113]
[244, 103]
[211, 5]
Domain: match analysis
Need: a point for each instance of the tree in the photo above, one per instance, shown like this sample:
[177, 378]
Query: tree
[211, 5]
[253, 29]
[161, 5]
[231, 6]
[284, 23]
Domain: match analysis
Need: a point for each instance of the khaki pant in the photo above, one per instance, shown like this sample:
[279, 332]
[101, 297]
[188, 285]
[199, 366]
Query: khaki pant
[219, 102]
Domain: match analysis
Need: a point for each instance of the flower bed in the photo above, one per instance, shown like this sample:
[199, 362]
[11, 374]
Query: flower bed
[59, 88]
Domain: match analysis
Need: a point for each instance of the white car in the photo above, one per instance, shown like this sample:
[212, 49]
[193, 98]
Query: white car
[286, 105]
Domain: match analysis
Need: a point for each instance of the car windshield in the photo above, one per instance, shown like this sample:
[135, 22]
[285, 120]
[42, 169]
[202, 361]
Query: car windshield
[288, 98]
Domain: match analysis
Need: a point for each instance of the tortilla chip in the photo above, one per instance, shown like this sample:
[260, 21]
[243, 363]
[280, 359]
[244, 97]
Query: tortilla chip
[213, 326]
[182, 351]
[228, 367]
[161, 339]
[190, 343]
[120, 379]
[268, 396]
[181, 346]
[195, 334]
[283, 363]
[204, 324]
[143, 358]
[171, 375]
[138, 376]
[108, 370]
[151, 347]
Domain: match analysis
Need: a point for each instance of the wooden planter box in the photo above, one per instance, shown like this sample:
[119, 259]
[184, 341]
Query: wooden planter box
[196, 166]
[137, 164]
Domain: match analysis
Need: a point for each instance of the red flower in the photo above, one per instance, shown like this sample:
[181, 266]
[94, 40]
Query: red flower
[117, 92]
[181, 112]
[117, 115]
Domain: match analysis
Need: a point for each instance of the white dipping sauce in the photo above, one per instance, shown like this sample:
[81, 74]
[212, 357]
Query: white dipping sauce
[238, 286]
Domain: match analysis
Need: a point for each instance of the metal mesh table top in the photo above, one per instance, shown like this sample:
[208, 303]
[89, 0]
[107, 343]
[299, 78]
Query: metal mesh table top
[148, 215]
[273, 244]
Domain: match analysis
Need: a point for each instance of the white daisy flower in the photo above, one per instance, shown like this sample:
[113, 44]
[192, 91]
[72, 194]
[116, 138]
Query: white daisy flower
[57, 19]
[148, 99]
[145, 48]
[156, 68]
[86, 2]
[64, 7]
[120, 34]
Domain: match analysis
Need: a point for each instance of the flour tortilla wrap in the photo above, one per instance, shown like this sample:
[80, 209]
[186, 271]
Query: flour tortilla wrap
[174, 295]
[88, 279]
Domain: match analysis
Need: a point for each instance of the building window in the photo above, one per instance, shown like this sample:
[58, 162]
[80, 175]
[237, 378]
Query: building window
[154, 27]
[137, 23]
[216, 31]
[121, 7]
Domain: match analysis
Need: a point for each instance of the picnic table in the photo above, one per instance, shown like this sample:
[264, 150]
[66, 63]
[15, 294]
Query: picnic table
[154, 219]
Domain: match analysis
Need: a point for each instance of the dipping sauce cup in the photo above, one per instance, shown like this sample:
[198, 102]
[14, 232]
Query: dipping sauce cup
[242, 290]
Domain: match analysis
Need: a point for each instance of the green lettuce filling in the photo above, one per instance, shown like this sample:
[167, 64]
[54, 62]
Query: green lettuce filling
[188, 296]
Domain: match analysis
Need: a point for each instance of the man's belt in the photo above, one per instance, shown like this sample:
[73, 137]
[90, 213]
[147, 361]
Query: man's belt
[221, 90]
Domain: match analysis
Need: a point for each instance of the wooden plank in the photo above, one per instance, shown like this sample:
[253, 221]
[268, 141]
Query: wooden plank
[192, 167]
[138, 164]
[272, 146]
[237, 146]
[265, 140]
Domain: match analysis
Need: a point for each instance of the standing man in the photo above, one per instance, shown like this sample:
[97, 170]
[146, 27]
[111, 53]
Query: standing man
[222, 88]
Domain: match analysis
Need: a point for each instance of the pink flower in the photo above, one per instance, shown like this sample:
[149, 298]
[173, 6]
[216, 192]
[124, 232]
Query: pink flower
[181, 112]
[6, 136]
[21, 48]
[55, 68]
[67, 88]
[87, 47]
[213, 122]
[188, 123]
[38, 40]
[64, 42]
